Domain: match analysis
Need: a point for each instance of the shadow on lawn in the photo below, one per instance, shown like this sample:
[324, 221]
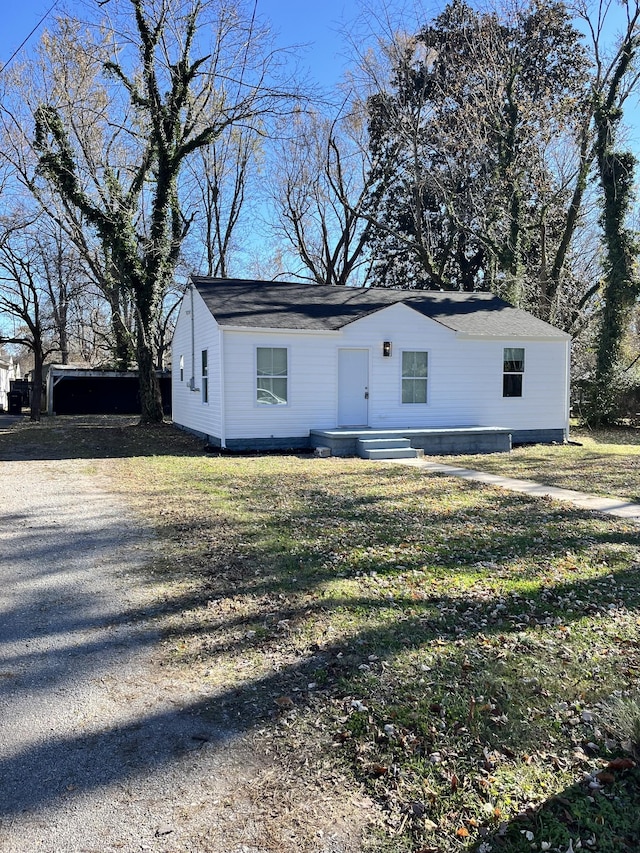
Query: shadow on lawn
[614, 476]
[81, 762]
[55, 771]
[93, 437]
[93, 759]
[579, 818]
[609, 435]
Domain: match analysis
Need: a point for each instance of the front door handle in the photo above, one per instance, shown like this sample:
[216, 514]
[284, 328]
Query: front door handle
[366, 395]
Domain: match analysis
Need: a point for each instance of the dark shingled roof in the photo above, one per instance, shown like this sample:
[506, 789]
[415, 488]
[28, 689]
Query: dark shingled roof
[293, 305]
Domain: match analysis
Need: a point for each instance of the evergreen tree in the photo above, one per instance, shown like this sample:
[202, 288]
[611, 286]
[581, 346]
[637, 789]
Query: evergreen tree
[468, 193]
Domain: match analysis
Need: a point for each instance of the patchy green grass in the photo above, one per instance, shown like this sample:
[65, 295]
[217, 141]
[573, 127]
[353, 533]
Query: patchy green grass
[452, 651]
[602, 462]
[448, 645]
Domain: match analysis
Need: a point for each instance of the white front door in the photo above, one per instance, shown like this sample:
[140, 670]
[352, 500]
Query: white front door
[353, 387]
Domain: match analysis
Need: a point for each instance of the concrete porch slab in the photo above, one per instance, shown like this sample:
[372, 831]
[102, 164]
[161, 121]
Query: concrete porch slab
[431, 440]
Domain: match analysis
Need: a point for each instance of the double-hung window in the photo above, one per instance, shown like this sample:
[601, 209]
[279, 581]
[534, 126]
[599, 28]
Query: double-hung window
[512, 371]
[414, 376]
[272, 387]
[205, 376]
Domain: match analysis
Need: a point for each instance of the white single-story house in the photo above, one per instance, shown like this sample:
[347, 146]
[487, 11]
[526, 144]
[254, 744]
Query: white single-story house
[267, 365]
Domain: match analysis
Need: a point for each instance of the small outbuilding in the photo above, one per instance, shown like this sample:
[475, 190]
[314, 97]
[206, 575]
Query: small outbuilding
[73, 389]
[268, 365]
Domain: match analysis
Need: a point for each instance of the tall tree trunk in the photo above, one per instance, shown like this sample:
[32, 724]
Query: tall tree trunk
[620, 287]
[150, 396]
[64, 337]
[122, 350]
[36, 384]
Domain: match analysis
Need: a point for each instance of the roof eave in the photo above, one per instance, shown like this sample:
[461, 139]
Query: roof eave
[276, 329]
[512, 336]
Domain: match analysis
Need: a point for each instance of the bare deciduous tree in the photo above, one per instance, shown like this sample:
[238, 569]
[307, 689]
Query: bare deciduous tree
[218, 179]
[165, 105]
[320, 181]
[28, 299]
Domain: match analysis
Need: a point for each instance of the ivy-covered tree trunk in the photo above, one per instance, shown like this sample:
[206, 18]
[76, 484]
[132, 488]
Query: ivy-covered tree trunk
[122, 342]
[123, 353]
[620, 285]
[174, 106]
[150, 395]
[620, 290]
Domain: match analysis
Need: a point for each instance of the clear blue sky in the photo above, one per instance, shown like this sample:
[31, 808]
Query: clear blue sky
[314, 24]
[317, 25]
[18, 21]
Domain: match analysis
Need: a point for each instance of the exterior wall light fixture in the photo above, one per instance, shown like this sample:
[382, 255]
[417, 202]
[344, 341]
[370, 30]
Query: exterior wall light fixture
[386, 349]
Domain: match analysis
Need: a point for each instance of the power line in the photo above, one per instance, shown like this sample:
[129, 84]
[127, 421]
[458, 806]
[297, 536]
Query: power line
[41, 21]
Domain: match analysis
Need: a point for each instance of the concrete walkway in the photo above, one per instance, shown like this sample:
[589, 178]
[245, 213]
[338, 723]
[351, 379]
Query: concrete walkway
[609, 506]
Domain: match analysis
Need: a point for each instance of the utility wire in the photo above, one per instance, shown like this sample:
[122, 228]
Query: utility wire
[41, 21]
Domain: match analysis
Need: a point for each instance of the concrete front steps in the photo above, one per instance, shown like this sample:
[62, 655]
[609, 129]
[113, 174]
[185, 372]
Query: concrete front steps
[386, 448]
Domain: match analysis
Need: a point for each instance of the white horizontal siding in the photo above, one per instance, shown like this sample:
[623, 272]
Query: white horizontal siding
[465, 376]
[545, 392]
[408, 330]
[188, 409]
[312, 401]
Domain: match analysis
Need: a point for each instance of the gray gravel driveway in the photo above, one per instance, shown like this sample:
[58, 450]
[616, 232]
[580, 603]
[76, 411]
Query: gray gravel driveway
[100, 750]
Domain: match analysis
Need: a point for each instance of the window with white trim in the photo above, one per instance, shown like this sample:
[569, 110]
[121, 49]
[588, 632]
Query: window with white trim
[272, 376]
[415, 367]
[205, 376]
[512, 371]
[181, 368]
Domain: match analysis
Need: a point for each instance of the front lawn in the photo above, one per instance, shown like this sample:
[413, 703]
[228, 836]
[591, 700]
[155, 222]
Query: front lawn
[443, 646]
[602, 462]
[447, 650]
